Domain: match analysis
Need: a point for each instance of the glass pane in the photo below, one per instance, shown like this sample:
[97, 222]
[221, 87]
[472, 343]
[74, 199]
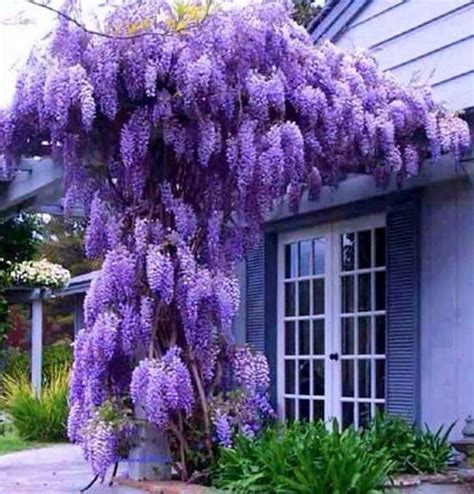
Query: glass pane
[364, 249]
[347, 415]
[290, 376]
[380, 291]
[347, 328]
[380, 379]
[305, 258]
[347, 378]
[318, 296]
[304, 410]
[304, 344]
[364, 335]
[318, 410]
[318, 377]
[291, 261]
[318, 337]
[380, 247]
[364, 378]
[347, 252]
[380, 335]
[290, 335]
[347, 294]
[318, 256]
[380, 408]
[290, 409]
[303, 298]
[364, 414]
[364, 292]
[290, 299]
[303, 371]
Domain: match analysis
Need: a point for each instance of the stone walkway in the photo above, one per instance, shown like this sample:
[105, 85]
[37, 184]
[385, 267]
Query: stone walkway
[56, 469]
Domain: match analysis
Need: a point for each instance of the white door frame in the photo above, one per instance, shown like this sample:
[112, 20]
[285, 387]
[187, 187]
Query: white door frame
[332, 291]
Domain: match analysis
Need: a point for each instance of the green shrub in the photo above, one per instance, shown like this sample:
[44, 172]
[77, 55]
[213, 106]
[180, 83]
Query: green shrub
[18, 361]
[412, 450]
[302, 458]
[38, 419]
[309, 458]
[57, 355]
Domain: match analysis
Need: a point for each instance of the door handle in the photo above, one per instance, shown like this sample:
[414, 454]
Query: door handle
[334, 356]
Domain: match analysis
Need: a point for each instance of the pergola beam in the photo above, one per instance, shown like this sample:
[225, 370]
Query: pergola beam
[34, 179]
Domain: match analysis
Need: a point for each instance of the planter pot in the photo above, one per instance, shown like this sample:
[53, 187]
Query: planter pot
[150, 459]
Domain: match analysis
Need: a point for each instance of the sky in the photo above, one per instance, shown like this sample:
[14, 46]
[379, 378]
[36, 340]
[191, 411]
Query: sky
[22, 25]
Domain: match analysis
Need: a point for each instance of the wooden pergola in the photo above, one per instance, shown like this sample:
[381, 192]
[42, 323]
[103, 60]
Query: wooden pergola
[36, 187]
[35, 298]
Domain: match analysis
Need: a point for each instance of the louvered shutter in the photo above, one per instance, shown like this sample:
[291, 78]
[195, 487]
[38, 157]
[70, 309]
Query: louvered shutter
[255, 298]
[403, 310]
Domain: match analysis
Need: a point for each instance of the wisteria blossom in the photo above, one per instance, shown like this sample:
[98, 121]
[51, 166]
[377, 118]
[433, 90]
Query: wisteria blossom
[178, 135]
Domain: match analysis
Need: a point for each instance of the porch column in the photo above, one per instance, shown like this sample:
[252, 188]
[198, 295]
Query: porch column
[78, 313]
[36, 343]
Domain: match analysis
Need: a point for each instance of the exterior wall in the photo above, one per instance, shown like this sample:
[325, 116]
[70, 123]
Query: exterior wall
[447, 304]
[431, 41]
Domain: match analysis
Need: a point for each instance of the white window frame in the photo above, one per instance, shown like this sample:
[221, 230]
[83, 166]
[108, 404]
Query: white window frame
[332, 293]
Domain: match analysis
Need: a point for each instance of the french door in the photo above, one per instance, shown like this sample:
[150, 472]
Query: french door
[331, 322]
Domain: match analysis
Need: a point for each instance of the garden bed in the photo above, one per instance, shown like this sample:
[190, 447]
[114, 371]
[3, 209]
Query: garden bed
[455, 481]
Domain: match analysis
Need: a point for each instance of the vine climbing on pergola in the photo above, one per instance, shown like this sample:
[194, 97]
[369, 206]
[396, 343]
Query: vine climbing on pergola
[178, 134]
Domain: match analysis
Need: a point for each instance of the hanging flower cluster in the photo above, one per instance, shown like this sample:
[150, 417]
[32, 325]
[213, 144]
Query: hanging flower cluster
[179, 145]
[244, 407]
[163, 387]
[108, 434]
[43, 274]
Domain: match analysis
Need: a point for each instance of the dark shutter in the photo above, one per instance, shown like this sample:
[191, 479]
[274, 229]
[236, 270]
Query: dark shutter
[403, 310]
[255, 298]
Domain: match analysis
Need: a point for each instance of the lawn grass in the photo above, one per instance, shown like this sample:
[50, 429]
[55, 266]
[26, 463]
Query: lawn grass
[11, 442]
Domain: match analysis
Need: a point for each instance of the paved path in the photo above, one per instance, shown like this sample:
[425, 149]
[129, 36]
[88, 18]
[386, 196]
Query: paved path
[58, 469]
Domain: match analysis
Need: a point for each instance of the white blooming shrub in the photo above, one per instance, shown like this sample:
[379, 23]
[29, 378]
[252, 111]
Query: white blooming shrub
[42, 274]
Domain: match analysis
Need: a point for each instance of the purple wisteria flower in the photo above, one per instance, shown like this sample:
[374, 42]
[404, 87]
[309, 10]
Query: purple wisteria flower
[177, 142]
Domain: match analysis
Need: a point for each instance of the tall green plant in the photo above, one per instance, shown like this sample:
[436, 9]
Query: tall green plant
[38, 418]
[412, 449]
[303, 458]
[18, 361]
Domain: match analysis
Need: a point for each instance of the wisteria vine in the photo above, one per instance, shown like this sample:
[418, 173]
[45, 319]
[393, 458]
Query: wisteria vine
[179, 146]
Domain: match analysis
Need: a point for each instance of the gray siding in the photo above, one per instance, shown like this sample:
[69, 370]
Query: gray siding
[431, 41]
[447, 304]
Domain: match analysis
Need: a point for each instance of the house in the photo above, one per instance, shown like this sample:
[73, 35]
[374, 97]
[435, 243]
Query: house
[364, 300]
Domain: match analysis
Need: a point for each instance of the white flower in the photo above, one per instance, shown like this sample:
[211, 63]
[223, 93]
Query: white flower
[42, 273]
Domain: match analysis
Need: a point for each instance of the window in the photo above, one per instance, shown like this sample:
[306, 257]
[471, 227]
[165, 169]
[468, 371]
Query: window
[304, 329]
[331, 344]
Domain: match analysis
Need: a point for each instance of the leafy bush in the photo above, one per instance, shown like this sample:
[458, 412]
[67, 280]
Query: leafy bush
[57, 355]
[412, 450]
[38, 418]
[18, 361]
[309, 458]
[302, 458]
